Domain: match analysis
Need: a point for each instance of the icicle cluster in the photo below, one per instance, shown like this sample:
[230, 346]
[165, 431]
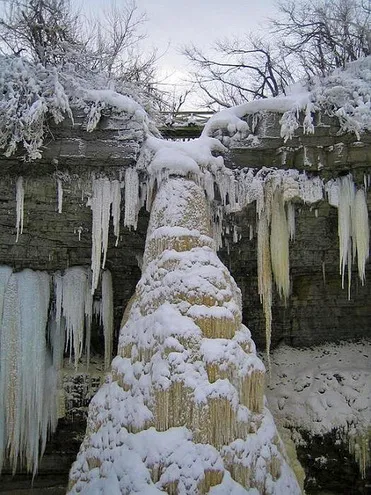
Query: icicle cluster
[74, 309]
[275, 227]
[183, 409]
[353, 226]
[105, 193]
[28, 406]
[30, 380]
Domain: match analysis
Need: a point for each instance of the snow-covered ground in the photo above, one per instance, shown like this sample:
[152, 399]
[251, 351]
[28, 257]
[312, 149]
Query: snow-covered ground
[322, 389]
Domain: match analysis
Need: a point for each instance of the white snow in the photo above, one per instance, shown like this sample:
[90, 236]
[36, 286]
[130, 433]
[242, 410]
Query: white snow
[344, 94]
[30, 93]
[323, 389]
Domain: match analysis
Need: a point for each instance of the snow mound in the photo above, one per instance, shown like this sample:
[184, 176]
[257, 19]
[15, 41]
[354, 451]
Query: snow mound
[323, 389]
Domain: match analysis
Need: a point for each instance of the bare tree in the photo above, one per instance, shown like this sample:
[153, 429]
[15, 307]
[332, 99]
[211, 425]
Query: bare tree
[306, 38]
[324, 34]
[44, 30]
[239, 70]
[117, 35]
[53, 33]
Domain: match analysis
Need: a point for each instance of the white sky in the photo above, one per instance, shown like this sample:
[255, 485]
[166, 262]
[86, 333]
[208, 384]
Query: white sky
[175, 23]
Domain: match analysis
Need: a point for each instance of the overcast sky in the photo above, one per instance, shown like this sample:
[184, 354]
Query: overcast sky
[175, 23]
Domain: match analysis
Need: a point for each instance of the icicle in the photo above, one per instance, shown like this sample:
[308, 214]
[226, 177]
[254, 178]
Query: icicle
[265, 278]
[218, 227]
[97, 310]
[10, 376]
[279, 244]
[33, 292]
[107, 316]
[56, 332]
[58, 294]
[116, 208]
[132, 198]
[100, 205]
[96, 250]
[359, 447]
[106, 207]
[88, 316]
[59, 195]
[75, 286]
[235, 234]
[5, 273]
[142, 194]
[20, 206]
[291, 219]
[361, 232]
[346, 198]
[208, 184]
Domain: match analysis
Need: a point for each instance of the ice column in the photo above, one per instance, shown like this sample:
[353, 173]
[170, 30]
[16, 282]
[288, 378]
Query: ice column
[183, 409]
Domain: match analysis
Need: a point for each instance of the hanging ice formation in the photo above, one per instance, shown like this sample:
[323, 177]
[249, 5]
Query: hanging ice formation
[101, 206]
[74, 303]
[31, 395]
[275, 193]
[19, 206]
[74, 308]
[183, 408]
[353, 226]
[28, 406]
[59, 195]
[106, 202]
[132, 203]
[107, 316]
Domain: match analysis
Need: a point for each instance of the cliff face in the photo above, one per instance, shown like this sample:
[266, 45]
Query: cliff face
[318, 309]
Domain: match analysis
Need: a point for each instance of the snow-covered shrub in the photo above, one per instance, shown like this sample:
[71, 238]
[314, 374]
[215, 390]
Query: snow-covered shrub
[32, 95]
[29, 94]
[345, 94]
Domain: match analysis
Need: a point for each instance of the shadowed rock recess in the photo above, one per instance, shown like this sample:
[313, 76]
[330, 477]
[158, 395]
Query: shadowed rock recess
[183, 352]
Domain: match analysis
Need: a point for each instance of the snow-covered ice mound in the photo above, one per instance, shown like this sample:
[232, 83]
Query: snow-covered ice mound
[325, 388]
